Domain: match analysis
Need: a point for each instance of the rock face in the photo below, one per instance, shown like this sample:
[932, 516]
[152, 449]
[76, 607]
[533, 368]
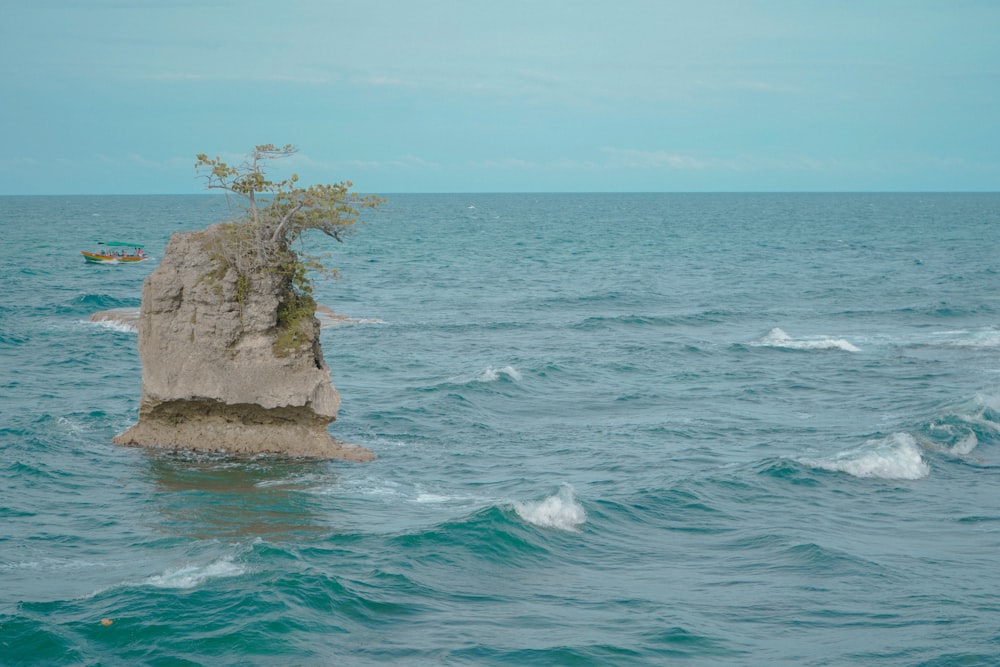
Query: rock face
[218, 371]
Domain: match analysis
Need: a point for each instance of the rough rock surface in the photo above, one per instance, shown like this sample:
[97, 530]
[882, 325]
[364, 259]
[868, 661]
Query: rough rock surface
[128, 318]
[214, 376]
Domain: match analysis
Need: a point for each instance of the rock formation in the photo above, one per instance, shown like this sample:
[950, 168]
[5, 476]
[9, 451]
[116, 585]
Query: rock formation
[128, 318]
[221, 371]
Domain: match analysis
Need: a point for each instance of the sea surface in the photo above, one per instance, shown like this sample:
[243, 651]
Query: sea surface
[612, 429]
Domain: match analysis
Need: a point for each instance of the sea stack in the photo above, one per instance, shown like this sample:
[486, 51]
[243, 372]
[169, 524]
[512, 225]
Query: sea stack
[222, 368]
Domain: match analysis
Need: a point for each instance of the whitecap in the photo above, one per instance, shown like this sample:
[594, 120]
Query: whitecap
[51, 565]
[777, 337]
[492, 374]
[978, 339]
[367, 486]
[432, 498]
[328, 318]
[70, 425]
[965, 446]
[895, 457]
[488, 374]
[124, 327]
[116, 325]
[561, 511]
[293, 481]
[190, 576]
[961, 423]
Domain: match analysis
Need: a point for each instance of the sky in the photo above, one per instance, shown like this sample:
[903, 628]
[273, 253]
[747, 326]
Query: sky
[118, 96]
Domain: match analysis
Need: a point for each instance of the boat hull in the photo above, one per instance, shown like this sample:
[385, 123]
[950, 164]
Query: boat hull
[97, 258]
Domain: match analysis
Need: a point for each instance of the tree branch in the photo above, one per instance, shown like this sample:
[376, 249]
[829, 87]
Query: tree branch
[280, 229]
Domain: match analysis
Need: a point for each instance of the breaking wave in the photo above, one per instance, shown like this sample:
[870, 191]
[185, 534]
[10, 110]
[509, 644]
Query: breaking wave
[777, 337]
[961, 428]
[561, 511]
[116, 325]
[973, 339]
[491, 374]
[487, 375]
[190, 576]
[895, 457]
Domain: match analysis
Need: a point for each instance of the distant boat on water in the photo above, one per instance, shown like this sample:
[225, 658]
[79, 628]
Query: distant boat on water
[114, 252]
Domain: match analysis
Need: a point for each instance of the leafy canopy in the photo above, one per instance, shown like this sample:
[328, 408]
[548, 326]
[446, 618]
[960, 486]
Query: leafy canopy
[276, 213]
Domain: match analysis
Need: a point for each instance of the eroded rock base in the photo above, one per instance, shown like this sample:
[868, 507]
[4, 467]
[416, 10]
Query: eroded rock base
[238, 429]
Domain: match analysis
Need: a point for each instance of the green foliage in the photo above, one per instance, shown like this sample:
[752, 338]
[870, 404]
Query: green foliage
[276, 214]
[281, 211]
[243, 286]
[295, 315]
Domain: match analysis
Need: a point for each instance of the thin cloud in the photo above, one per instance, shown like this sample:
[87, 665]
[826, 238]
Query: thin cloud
[303, 161]
[384, 81]
[628, 158]
[255, 77]
[20, 162]
[517, 164]
[174, 76]
[765, 87]
[137, 160]
[748, 86]
[402, 162]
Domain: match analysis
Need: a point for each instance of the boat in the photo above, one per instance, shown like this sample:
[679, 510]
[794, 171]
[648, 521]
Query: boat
[115, 252]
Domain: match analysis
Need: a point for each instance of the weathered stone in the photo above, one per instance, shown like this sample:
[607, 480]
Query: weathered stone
[128, 318]
[214, 377]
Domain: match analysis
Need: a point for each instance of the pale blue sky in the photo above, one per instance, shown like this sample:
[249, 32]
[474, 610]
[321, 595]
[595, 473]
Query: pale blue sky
[117, 96]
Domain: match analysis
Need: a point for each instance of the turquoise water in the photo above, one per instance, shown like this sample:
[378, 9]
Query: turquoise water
[611, 429]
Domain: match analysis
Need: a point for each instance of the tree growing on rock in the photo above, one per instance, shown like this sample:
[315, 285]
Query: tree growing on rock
[273, 216]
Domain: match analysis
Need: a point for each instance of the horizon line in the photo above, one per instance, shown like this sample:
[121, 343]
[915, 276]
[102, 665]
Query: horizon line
[525, 192]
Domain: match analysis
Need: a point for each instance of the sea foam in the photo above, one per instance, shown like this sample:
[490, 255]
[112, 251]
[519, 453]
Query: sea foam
[777, 337]
[965, 446]
[561, 511]
[116, 325]
[959, 429]
[976, 339]
[190, 576]
[491, 374]
[895, 457]
[487, 375]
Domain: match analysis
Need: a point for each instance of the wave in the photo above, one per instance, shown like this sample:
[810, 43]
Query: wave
[969, 339]
[962, 428]
[895, 457]
[328, 318]
[965, 446]
[377, 487]
[777, 337]
[491, 374]
[957, 432]
[190, 576]
[615, 320]
[686, 319]
[430, 498]
[178, 578]
[491, 534]
[487, 375]
[561, 511]
[499, 531]
[363, 320]
[122, 326]
[89, 303]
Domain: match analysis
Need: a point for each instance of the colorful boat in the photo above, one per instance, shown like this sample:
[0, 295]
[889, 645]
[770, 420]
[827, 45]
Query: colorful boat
[114, 252]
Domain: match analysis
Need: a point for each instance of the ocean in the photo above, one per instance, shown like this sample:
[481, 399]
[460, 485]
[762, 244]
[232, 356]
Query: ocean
[612, 429]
